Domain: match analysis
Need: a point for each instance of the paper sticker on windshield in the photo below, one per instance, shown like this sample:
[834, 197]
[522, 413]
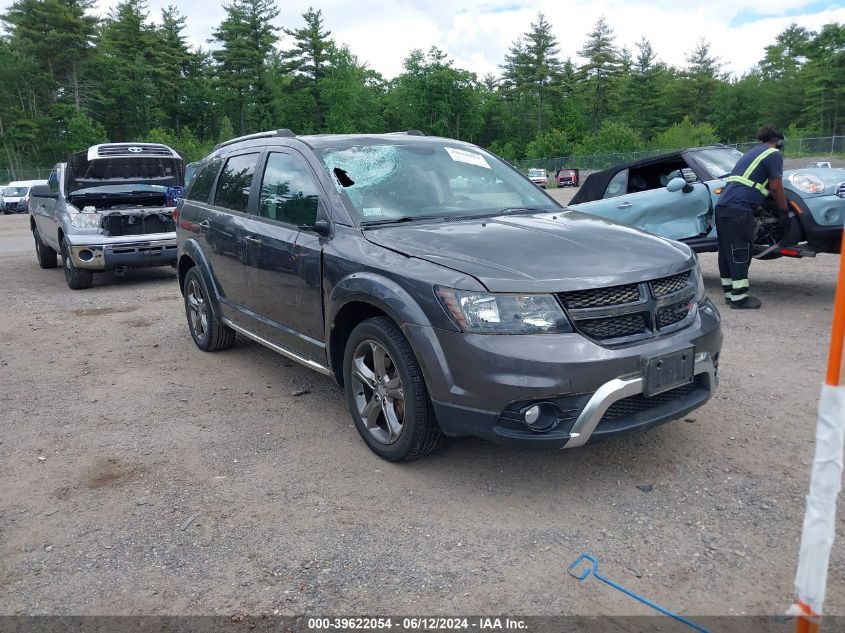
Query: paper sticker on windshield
[470, 158]
[371, 212]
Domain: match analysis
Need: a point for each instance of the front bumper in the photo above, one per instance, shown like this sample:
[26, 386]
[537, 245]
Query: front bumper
[482, 382]
[106, 253]
[14, 207]
[822, 218]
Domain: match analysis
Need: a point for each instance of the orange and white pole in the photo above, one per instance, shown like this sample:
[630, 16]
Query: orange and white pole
[825, 479]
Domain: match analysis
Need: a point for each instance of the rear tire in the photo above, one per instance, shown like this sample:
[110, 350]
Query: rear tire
[209, 333]
[386, 393]
[47, 257]
[77, 278]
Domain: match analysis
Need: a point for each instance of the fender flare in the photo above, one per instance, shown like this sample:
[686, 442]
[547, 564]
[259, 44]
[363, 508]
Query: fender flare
[191, 249]
[378, 291]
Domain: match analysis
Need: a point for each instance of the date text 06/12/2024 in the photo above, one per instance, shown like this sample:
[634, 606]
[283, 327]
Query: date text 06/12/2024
[415, 624]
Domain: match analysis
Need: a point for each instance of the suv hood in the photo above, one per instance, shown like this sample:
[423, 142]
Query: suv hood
[548, 252]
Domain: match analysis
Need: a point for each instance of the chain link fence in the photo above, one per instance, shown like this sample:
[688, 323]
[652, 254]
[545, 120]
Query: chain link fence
[34, 173]
[825, 146]
[832, 146]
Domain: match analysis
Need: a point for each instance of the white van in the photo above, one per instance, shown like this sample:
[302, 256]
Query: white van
[16, 195]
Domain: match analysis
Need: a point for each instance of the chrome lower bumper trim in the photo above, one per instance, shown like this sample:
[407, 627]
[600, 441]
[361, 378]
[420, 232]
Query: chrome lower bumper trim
[310, 364]
[98, 253]
[620, 388]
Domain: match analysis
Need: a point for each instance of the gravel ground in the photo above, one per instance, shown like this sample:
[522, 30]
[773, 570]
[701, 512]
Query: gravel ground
[141, 475]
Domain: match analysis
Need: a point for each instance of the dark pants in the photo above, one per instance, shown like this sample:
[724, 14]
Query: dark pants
[735, 232]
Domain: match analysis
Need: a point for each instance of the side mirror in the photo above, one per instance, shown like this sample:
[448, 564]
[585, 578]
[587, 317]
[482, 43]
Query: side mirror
[678, 184]
[320, 227]
[42, 191]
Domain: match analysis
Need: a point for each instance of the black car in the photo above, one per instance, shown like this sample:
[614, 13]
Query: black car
[443, 291]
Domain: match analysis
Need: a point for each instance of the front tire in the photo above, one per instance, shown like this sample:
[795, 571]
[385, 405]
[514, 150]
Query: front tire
[386, 393]
[209, 333]
[47, 257]
[77, 278]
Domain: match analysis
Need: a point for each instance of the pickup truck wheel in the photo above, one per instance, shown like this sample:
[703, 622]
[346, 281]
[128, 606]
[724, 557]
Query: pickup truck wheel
[47, 257]
[208, 331]
[386, 392]
[77, 278]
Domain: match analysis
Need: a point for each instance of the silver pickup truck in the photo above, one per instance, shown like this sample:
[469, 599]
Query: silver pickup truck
[108, 208]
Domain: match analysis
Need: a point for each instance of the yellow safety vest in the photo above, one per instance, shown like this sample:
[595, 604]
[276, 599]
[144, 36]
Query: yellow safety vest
[745, 179]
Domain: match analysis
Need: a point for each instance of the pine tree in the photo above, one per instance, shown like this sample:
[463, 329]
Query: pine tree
[59, 36]
[599, 75]
[532, 72]
[173, 65]
[127, 67]
[310, 59]
[246, 37]
[702, 78]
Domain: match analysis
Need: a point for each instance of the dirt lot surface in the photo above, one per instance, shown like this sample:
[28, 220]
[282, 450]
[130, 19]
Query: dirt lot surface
[140, 475]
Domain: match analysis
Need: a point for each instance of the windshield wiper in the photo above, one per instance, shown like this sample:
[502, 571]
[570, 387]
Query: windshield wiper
[723, 176]
[406, 218]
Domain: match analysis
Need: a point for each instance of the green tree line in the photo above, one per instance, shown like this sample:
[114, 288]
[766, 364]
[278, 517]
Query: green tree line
[72, 79]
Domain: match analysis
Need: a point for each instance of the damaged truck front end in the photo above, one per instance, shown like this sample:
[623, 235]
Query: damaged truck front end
[114, 229]
[109, 208]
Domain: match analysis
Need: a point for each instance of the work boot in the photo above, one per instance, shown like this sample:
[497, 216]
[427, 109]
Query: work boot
[749, 303]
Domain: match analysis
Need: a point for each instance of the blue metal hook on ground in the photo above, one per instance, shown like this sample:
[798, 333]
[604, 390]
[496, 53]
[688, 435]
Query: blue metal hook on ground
[594, 569]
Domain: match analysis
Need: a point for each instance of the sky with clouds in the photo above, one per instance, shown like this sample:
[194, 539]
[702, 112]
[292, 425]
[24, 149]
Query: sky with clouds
[477, 33]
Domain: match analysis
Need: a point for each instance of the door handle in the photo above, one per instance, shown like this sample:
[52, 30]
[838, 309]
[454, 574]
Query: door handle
[205, 225]
[625, 205]
[250, 239]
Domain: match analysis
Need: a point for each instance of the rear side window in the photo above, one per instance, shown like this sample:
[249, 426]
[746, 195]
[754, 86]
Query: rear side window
[288, 191]
[234, 183]
[200, 186]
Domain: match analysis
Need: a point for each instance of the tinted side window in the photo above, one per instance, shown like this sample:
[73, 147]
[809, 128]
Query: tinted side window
[234, 182]
[200, 186]
[288, 192]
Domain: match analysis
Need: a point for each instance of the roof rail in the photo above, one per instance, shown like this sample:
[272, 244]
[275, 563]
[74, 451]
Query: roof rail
[268, 134]
[410, 133]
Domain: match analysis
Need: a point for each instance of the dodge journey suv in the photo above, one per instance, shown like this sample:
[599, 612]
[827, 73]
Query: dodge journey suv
[443, 291]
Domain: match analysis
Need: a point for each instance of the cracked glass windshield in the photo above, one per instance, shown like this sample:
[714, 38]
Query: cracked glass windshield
[408, 181]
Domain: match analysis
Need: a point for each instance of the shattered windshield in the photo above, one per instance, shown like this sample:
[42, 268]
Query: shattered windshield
[390, 182]
[718, 162]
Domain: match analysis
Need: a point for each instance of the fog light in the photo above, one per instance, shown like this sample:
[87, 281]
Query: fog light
[532, 415]
[85, 255]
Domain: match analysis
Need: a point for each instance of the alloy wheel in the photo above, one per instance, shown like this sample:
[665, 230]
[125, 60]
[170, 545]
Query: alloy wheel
[378, 391]
[197, 308]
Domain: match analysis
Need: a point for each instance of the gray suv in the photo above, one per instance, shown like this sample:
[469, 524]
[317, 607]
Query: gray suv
[443, 291]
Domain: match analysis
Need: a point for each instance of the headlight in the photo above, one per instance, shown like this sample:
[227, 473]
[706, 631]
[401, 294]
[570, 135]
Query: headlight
[85, 220]
[808, 183]
[700, 293]
[485, 313]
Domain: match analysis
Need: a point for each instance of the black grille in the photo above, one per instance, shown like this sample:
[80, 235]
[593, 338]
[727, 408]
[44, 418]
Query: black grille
[614, 327]
[671, 314]
[668, 285]
[123, 150]
[640, 402]
[600, 297]
[840, 190]
[119, 225]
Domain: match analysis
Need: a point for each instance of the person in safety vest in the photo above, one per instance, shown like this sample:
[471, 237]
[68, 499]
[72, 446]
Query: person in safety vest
[758, 172]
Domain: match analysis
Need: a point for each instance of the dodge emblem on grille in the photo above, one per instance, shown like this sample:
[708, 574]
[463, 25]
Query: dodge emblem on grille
[135, 150]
